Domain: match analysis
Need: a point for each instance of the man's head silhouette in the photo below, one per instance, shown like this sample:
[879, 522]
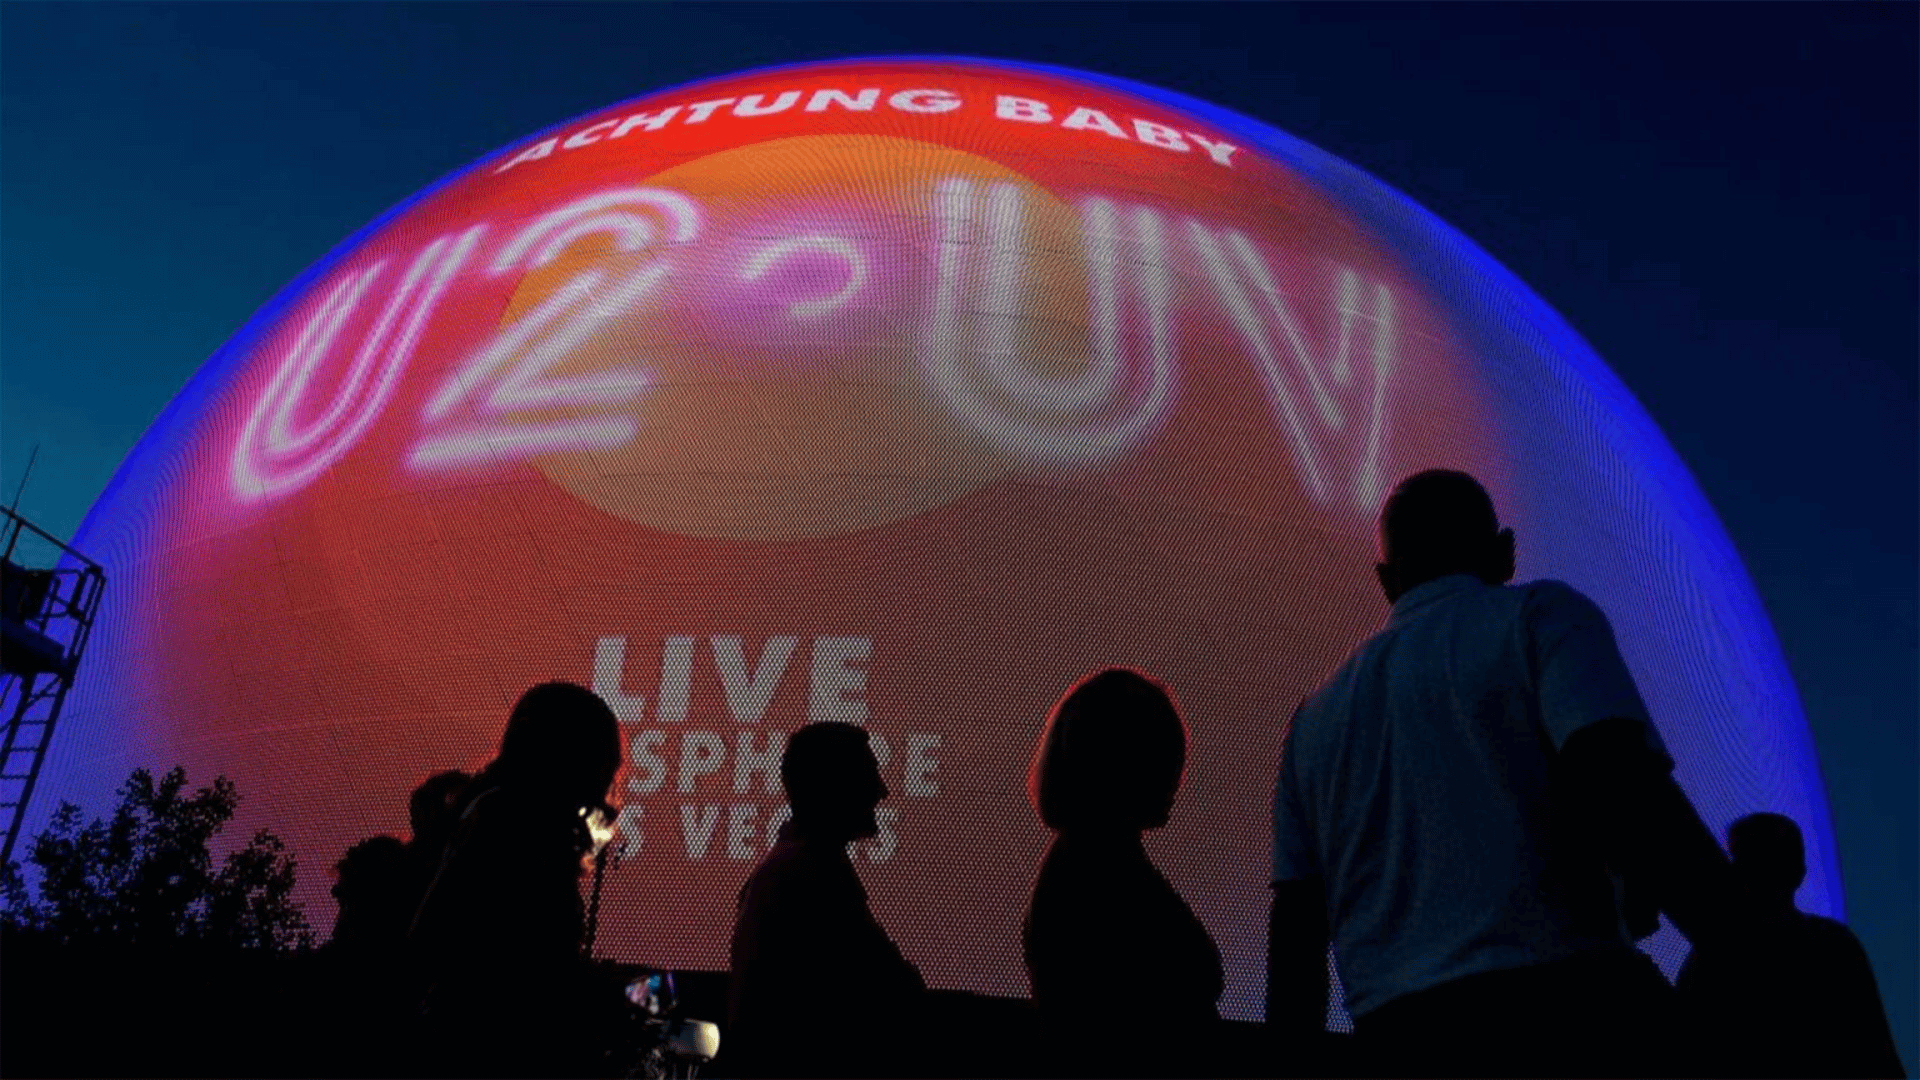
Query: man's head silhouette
[432, 809]
[562, 741]
[1112, 756]
[1769, 858]
[833, 782]
[1437, 523]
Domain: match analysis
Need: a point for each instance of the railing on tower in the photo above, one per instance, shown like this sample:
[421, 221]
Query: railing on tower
[46, 616]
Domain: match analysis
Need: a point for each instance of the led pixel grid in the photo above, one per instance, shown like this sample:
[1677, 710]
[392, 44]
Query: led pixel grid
[899, 391]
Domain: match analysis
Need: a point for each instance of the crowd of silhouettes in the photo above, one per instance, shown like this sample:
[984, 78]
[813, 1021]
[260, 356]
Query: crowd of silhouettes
[1475, 813]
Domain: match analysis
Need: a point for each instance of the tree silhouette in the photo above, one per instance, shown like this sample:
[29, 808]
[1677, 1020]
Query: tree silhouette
[145, 876]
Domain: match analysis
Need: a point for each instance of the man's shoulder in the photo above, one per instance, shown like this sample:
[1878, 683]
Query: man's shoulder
[1548, 596]
[1529, 600]
[777, 867]
[1330, 698]
[1830, 934]
[1324, 701]
[791, 868]
[1526, 598]
[1547, 607]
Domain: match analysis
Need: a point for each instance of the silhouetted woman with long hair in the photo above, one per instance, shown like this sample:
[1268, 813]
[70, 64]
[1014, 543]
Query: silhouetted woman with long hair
[1123, 973]
[501, 927]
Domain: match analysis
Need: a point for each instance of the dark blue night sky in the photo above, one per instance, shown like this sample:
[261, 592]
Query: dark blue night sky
[1720, 197]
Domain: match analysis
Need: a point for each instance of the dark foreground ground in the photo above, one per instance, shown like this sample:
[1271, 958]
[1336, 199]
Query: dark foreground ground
[181, 1013]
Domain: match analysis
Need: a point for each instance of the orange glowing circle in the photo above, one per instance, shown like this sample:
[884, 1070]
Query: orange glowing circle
[782, 347]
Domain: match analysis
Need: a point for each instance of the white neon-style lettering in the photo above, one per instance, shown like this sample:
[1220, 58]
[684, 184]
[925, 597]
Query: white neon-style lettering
[1342, 359]
[1247, 318]
[530, 386]
[676, 679]
[641, 753]
[1160, 135]
[538, 150]
[309, 352]
[698, 112]
[514, 372]
[749, 691]
[1256, 268]
[1057, 420]
[1366, 487]
[632, 231]
[1001, 294]
[528, 351]
[589, 135]
[1236, 264]
[925, 101]
[838, 247]
[863, 102]
[764, 761]
[513, 443]
[652, 121]
[1085, 119]
[609, 669]
[279, 458]
[1221, 152]
[1008, 107]
[507, 346]
[751, 104]
[1153, 290]
[628, 824]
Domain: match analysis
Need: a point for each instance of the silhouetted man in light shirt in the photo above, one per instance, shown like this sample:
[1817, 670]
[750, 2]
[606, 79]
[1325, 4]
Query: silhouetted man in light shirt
[817, 988]
[1460, 808]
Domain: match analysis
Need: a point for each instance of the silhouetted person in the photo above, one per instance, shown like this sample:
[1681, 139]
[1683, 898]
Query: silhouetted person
[501, 927]
[1126, 979]
[380, 881]
[1457, 808]
[1793, 994]
[816, 987]
[368, 987]
[433, 810]
[373, 888]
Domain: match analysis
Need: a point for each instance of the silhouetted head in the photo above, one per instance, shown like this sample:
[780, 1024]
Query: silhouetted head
[1111, 757]
[561, 741]
[433, 807]
[367, 867]
[1769, 857]
[833, 782]
[370, 885]
[1437, 523]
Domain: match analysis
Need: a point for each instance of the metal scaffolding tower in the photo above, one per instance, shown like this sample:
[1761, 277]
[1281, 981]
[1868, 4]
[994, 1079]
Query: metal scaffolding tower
[46, 617]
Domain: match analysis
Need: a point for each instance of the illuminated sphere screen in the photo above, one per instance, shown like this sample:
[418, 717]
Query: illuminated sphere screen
[900, 392]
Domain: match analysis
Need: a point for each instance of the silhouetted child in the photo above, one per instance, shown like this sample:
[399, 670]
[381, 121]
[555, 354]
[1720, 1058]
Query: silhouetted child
[817, 988]
[501, 927]
[433, 809]
[1793, 995]
[373, 888]
[433, 812]
[380, 881]
[369, 987]
[1458, 808]
[1126, 979]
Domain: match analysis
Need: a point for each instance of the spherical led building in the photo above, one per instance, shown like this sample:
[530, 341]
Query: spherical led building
[895, 391]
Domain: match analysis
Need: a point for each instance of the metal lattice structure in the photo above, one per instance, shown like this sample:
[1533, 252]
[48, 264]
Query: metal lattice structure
[46, 617]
